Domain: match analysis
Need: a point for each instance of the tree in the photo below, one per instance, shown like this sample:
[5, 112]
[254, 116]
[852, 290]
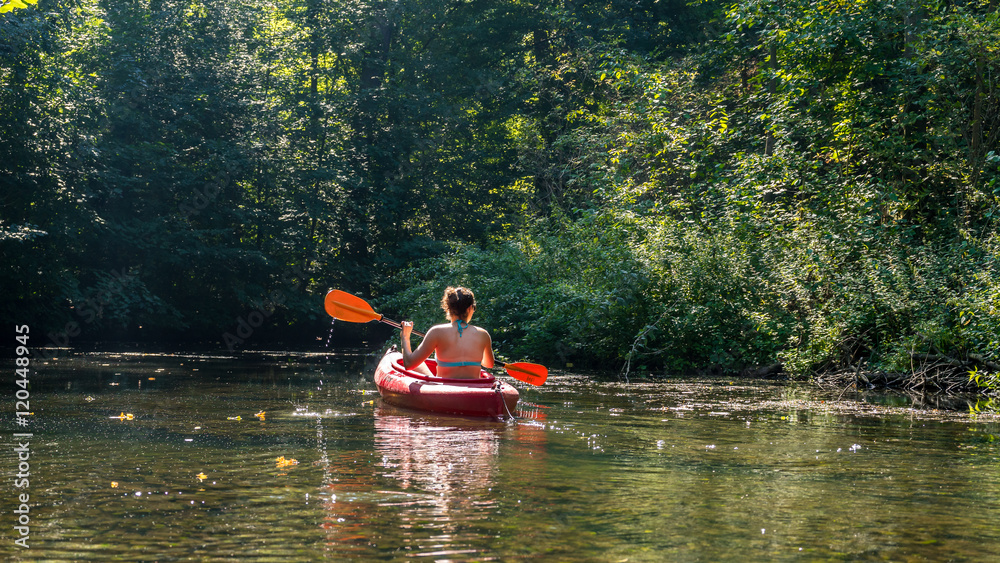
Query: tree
[10, 5]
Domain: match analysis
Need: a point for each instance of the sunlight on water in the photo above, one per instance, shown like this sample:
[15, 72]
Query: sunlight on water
[294, 457]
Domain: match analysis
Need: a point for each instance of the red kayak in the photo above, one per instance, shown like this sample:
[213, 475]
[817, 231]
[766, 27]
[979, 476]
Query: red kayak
[486, 396]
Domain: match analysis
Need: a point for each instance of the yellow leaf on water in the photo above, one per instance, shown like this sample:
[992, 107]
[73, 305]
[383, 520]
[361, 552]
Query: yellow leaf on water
[282, 462]
[114, 484]
[201, 476]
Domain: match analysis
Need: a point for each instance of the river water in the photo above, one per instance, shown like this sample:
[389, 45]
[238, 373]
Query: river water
[292, 457]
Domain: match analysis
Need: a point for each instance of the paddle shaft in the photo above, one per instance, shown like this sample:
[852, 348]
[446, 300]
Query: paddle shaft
[399, 326]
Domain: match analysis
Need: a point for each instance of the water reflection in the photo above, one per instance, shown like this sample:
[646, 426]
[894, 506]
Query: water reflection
[440, 455]
[449, 466]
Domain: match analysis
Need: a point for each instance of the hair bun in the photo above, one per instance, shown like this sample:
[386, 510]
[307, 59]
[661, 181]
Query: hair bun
[457, 300]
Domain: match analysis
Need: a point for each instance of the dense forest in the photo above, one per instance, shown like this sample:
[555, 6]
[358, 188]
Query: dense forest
[654, 186]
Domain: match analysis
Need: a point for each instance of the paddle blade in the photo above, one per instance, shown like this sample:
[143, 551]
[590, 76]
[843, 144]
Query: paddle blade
[346, 307]
[533, 374]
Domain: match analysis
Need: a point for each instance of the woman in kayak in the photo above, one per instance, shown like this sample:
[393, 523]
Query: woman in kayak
[460, 348]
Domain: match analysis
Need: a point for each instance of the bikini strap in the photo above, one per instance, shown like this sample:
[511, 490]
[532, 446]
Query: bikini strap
[458, 325]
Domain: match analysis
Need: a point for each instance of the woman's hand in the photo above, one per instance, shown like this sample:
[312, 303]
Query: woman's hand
[412, 359]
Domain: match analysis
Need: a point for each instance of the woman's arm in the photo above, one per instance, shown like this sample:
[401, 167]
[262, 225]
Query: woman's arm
[488, 360]
[413, 358]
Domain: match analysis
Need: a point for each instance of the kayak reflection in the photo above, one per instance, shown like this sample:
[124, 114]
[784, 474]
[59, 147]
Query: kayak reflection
[449, 466]
[436, 453]
[441, 479]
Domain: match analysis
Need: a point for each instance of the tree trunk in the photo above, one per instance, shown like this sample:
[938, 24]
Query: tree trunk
[540, 44]
[362, 231]
[914, 136]
[976, 142]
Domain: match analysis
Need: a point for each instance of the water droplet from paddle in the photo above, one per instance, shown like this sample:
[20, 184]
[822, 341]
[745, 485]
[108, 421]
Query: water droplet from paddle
[330, 336]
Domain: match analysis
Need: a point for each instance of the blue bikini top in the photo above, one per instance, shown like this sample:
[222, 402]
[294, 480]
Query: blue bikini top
[460, 325]
[456, 364]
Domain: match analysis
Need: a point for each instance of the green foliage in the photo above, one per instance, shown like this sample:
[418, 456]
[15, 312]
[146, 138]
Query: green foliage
[604, 288]
[682, 186]
[224, 152]
[827, 208]
[553, 292]
[10, 5]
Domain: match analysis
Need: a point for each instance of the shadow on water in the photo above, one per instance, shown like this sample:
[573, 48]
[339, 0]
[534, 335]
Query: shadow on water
[278, 455]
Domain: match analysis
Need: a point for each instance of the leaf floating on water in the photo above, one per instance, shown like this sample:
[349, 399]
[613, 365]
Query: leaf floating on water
[282, 462]
[124, 416]
[88, 398]
[114, 484]
[237, 417]
[260, 415]
[201, 476]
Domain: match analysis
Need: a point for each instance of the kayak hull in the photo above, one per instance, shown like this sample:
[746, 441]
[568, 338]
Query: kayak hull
[483, 397]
